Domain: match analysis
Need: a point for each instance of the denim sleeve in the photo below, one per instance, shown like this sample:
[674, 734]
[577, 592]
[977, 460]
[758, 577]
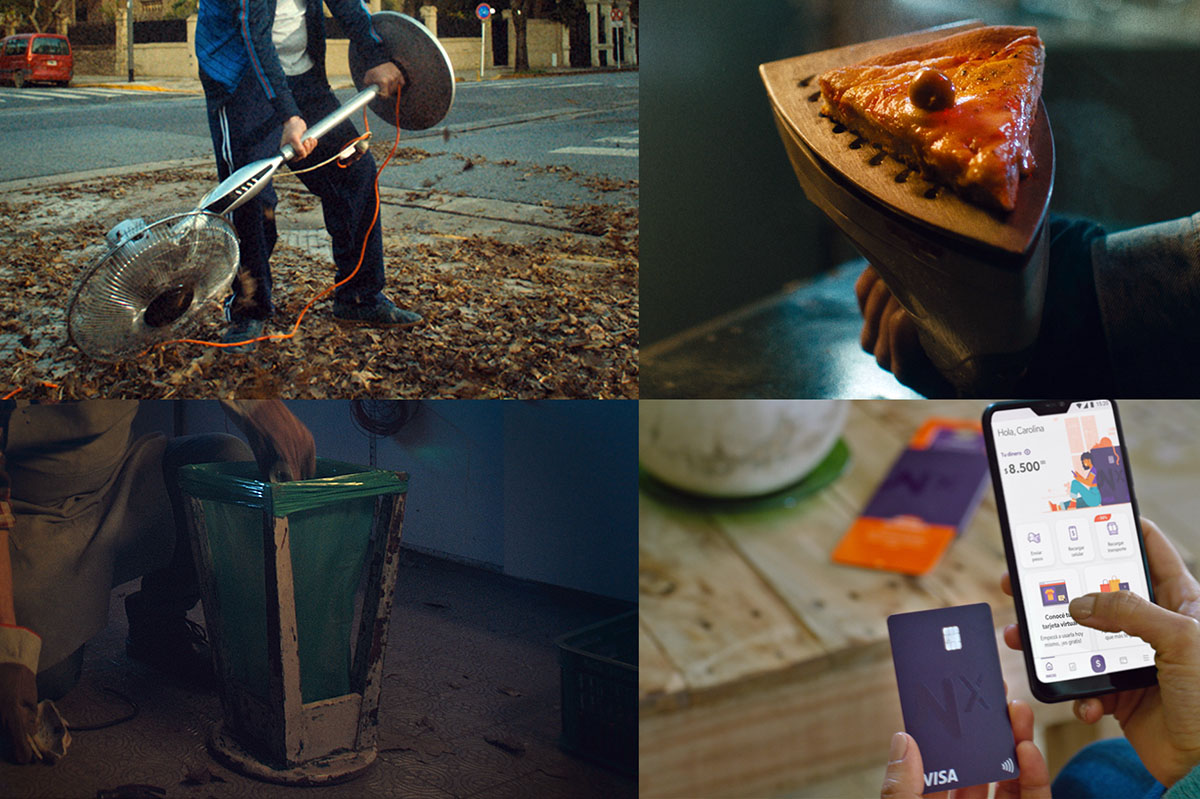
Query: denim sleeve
[1148, 287]
[1186, 788]
[255, 20]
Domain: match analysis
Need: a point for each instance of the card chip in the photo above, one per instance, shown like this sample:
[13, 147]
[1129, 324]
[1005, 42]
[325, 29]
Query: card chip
[952, 638]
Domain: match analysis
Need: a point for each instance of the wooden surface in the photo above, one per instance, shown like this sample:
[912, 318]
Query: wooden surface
[794, 94]
[765, 666]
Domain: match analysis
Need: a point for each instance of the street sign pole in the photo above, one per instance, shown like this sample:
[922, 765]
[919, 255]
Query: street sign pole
[484, 12]
[129, 35]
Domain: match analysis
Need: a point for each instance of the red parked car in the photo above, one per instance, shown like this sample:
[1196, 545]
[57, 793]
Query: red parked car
[42, 57]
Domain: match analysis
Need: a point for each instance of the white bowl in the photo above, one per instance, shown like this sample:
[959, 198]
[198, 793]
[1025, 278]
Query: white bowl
[736, 448]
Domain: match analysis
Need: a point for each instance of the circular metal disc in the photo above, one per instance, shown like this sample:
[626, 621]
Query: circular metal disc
[428, 89]
[151, 287]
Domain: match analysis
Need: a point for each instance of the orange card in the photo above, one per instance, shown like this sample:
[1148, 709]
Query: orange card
[926, 499]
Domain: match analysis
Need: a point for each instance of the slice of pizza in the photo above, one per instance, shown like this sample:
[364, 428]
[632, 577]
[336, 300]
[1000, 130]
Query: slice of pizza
[958, 109]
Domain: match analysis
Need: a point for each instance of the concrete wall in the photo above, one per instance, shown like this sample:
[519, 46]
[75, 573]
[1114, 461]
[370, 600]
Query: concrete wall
[543, 491]
[164, 60]
[546, 41]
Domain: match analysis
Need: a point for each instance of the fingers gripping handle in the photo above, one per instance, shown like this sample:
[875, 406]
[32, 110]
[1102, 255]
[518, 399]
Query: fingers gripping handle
[333, 120]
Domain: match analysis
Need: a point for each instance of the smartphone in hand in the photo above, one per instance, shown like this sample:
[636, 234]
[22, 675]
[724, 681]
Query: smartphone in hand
[1064, 494]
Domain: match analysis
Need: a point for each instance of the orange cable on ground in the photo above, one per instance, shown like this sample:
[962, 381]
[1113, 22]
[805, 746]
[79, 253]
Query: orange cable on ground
[361, 256]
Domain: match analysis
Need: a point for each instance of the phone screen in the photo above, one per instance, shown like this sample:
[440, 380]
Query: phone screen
[1070, 512]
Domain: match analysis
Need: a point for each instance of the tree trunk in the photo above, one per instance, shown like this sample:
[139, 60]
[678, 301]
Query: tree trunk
[520, 9]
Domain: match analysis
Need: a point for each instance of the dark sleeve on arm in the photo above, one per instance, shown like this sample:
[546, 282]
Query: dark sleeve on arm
[356, 22]
[1148, 286]
[254, 23]
[1071, 355]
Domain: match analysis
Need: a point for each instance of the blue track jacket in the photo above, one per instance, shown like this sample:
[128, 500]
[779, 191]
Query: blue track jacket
[233, 36]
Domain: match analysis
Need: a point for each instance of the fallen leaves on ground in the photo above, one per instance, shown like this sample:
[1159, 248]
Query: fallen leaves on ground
[557, 317]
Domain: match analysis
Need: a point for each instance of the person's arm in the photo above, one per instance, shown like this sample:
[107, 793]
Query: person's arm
[356, 22]
[254, 24]
[19, 649]
[1148, 285]
[283, 446]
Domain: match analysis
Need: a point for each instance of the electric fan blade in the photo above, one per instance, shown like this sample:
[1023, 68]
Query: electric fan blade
[428, 90]
[151, 286]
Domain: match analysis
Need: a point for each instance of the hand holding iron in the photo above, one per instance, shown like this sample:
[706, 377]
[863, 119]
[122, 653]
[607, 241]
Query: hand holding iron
[890, 334]
[293, 134]
[387, 76]
[905, 777]
[282, 445]
[1161, 722]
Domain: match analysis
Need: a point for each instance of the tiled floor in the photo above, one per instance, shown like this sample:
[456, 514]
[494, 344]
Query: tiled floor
[471, 659]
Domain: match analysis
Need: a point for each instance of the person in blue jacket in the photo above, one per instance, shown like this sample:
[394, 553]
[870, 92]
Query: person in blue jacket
[262, 66]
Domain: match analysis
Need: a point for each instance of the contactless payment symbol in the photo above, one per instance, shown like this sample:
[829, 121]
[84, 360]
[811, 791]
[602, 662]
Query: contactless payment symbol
[1113, 584]
[1054, 592]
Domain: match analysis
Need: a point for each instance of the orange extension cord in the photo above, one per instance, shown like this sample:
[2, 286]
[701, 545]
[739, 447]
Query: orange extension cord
[296, 327]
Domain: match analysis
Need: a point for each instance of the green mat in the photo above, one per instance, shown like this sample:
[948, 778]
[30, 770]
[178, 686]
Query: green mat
[825, 473]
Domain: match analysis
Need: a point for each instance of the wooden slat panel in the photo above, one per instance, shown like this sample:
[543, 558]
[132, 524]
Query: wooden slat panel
[657, 678]
[834, 708]
[763, 742]
[845, 607]
[1161, 438]
[713, 616]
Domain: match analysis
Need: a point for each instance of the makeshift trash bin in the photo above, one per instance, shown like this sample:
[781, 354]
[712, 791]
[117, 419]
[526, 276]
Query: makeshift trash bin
[297, 581]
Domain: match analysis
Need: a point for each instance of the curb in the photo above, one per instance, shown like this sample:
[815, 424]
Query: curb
[564, 73]
[132, 88]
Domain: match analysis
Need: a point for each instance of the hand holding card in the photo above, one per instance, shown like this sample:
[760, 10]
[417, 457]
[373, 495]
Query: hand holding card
[905, 775]
[953, 698]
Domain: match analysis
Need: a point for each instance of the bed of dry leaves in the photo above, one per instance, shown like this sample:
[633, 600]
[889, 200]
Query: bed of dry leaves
[557, 317]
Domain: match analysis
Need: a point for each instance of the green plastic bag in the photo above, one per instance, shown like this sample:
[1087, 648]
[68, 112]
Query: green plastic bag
[329, 529]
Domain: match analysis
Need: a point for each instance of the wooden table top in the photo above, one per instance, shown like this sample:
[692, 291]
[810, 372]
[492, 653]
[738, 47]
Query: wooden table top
[730, 601]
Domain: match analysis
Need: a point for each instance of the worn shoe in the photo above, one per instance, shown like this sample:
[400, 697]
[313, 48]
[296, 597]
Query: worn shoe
[383, 313]
[243, 330]
[168, 642]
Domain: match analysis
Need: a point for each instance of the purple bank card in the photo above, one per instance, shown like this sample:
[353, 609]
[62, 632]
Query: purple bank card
[938, 486]
[952, 695]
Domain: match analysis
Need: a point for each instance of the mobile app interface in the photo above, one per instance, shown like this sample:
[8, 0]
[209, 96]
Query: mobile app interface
[1073, 531]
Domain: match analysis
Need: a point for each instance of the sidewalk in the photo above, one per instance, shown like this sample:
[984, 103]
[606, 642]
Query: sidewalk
[192, 85]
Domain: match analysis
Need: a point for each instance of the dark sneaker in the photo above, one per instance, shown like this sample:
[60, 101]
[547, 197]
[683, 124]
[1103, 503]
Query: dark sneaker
[383, 313]
[168, 642]
[243, 330]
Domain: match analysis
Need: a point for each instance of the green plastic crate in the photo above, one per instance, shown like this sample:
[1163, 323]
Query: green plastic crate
[599, 692]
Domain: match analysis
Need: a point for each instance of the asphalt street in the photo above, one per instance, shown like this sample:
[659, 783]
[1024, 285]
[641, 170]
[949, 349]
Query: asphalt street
[503, 139]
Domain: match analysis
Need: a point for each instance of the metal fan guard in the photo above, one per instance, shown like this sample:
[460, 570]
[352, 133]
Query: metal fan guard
[382, 417]
[151, 286]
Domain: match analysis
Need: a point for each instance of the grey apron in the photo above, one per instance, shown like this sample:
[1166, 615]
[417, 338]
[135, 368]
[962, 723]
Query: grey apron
[91, 511]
